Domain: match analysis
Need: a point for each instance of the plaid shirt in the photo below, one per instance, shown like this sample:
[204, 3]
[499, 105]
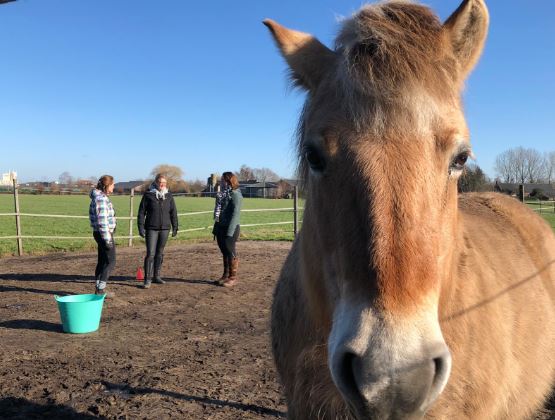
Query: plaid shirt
[102, 215]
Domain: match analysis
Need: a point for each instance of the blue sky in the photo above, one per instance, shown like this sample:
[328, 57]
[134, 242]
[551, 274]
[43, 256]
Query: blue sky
[103, 86]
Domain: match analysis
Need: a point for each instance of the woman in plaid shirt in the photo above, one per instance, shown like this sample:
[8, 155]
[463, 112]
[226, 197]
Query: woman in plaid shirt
[103, 222]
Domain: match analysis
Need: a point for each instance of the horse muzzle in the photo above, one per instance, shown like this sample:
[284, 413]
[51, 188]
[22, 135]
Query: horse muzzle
[382, 374]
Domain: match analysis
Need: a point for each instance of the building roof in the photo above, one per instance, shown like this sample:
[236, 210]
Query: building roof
[258, 185]
[128, 184]
[547, 189]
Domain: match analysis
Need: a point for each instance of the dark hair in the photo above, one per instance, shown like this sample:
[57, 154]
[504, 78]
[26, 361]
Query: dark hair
[104, 182]
[231, 179]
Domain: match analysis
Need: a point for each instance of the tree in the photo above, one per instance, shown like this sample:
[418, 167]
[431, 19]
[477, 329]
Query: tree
[173, 174]
[473, 179]
[535, 165]
[265, 175]
[549, 160]
[196, 186]
[65, 178]
[245, 173]
[520, 165]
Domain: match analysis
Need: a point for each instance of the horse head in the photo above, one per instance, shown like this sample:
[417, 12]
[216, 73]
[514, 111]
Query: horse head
[382, 140]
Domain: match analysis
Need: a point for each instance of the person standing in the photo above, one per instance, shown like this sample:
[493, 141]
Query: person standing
[103, 221]
[227, 228]
[157, 215]
[222, 198]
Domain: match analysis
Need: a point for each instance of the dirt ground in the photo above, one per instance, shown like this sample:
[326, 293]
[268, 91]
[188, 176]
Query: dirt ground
[187, 349]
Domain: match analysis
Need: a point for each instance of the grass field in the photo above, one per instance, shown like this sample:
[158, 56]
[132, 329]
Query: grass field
[78, 205]
[547, 211]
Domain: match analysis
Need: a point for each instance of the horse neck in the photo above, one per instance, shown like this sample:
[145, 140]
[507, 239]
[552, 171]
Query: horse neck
[456, 266]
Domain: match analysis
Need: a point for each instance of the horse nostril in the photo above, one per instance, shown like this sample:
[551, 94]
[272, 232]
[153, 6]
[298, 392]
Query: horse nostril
[442, 365]
[344, 377]
[347, 375]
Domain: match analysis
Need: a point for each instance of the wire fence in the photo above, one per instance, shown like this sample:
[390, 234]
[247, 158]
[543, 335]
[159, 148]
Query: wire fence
[19, 236]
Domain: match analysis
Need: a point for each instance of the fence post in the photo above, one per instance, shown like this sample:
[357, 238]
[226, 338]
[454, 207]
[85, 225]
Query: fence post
[540, 206]
[295, 210]
[130, 243]
[17, 219]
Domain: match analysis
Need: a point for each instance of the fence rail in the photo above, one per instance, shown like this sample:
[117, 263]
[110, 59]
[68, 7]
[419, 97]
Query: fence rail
[547, 206]
[19, 236]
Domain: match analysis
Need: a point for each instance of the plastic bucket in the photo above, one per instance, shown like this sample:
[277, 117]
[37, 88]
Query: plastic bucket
[80, 313]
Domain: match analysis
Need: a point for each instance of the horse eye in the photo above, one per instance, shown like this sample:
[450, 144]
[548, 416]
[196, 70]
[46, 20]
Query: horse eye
[459, 161]
[314, 159]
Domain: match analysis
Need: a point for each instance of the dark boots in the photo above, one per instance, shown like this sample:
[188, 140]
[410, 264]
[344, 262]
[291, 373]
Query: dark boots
[225, 275]
[149, 268]
[232, 279]
[157, 268]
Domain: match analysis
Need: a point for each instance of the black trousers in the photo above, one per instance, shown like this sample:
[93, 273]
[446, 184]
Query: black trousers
[227, 243]
[106, 260]
[155, 243]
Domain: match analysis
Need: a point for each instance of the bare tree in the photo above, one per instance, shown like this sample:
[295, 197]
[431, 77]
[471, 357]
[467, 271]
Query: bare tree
[196, 186]
[503, 167]
[549, 160]
[65, 178]
[520, 165]
[535, 165]
[245, 173]
[265, 175]
[173, 174]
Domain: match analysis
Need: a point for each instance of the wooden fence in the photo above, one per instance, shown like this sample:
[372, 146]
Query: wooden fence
[20, 236]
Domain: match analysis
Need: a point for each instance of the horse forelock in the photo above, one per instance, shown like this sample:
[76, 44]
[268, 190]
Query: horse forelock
[389, 49]
[396, 73]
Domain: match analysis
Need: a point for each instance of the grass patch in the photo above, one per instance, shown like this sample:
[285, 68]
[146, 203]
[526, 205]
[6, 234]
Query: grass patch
[547, 211]
[78, 205]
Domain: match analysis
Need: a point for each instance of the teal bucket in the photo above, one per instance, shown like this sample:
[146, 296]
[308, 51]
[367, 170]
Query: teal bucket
[80, 313]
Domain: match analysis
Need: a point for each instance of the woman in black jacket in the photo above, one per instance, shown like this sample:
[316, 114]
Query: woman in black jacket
[157, 214]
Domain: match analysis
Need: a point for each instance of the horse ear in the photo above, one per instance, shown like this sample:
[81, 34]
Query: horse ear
[467, 29]
[308, 58]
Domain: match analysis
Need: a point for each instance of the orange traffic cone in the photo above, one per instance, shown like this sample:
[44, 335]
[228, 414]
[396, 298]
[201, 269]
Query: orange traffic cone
[140, 274]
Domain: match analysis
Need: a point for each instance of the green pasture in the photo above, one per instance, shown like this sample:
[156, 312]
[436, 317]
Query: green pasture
[547, 211]
[78, 205]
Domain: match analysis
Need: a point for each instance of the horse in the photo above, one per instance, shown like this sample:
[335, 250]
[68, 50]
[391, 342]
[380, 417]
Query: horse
[400, 297]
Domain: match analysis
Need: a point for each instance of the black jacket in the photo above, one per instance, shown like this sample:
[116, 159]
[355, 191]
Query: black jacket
[157, 214]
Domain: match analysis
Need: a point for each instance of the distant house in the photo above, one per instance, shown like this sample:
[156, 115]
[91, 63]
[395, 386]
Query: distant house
[283, 188]
[126, 187]
[255, 189]
[286, 187]
[514, 188]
